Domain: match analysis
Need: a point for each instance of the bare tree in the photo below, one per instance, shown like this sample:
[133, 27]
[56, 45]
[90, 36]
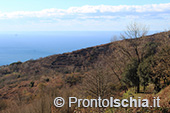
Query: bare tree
[114, 38]
[96, 82]
[135, 30]
[113, 64]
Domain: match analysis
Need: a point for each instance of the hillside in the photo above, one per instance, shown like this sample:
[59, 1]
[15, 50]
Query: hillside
[78, 60]
[25, 80]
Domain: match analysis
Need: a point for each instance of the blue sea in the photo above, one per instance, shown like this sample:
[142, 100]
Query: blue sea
[23, 46]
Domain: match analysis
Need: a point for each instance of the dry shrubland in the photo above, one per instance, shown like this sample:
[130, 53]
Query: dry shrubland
[30, 87]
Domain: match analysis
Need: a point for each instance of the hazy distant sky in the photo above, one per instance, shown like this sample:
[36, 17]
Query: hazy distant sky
[82, 15]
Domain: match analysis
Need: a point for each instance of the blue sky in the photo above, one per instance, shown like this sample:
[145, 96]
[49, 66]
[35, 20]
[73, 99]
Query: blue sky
[82, 15]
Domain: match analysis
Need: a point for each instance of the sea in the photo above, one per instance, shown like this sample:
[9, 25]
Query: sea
[22, 46]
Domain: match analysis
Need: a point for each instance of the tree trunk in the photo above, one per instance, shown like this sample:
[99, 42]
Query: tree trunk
[144, 88]
[138, 88]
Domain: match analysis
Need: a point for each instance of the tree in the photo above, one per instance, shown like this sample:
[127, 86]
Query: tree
[97, 82]
[130, 76]
[133, 31]
[144, 69]
[162, 68]
[155, 68]
[113, 63]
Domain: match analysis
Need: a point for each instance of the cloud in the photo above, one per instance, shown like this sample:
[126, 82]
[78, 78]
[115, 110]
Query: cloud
[100, 17]
[94, 12]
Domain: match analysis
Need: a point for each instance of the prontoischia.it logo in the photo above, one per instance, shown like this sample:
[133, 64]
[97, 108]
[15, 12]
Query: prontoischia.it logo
[131, 102]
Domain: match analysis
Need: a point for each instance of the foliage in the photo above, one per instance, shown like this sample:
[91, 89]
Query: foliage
[138, 72]
[73, 79]
[145, 72]
[130, 76]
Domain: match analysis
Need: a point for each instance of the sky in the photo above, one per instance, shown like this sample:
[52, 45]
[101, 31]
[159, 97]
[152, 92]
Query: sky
[82, 15]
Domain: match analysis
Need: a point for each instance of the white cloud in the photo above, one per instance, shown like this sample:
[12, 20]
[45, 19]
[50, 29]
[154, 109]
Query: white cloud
[101, 17]
[87, 11]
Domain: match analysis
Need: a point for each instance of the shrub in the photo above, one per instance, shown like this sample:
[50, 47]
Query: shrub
[3, 105]
[32, 84]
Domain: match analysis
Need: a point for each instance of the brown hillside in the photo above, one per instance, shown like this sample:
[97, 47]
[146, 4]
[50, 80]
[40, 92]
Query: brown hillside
[18, 76]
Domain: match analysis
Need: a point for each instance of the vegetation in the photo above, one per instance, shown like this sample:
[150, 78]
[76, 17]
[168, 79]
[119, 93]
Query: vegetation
[137, 66]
